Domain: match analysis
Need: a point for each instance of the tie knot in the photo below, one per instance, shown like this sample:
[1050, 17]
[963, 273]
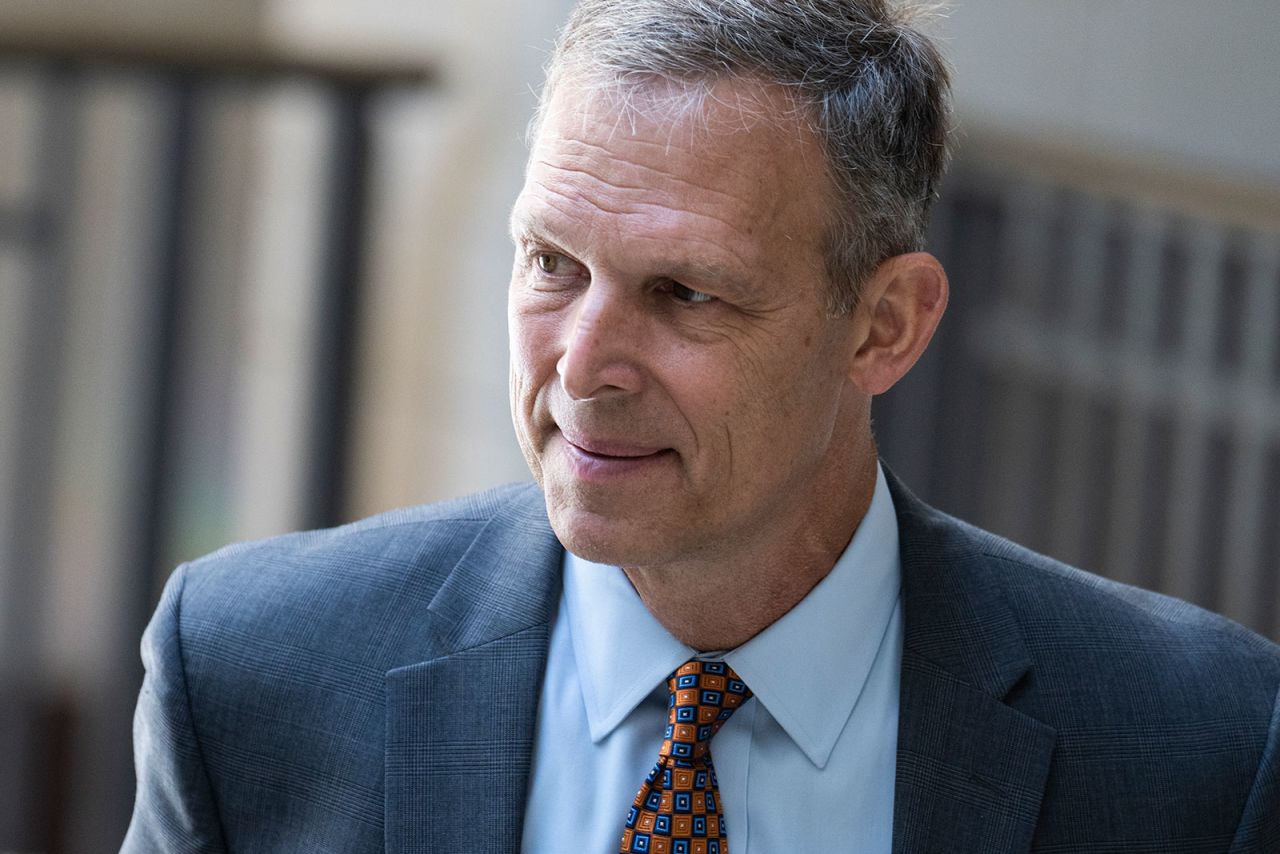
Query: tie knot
[703, 694]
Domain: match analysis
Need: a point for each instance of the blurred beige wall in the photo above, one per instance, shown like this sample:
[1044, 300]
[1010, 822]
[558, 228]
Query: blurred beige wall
[1189, 83]
[173, 21]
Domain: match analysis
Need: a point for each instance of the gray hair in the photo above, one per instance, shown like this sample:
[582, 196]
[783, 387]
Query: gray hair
[871, 86]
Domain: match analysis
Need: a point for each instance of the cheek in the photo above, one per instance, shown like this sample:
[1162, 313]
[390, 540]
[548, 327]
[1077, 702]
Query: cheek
[533, 335]
[763, 377]
[786, 391]
[534, 352]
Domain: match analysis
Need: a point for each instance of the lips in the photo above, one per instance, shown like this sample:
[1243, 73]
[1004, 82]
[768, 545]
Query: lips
[612, 462]
[611, 448]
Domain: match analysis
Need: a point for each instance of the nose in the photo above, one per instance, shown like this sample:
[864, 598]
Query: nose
[599, 355]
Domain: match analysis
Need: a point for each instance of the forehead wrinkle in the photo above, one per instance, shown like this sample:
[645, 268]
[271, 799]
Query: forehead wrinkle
[707, 109]
[683, 222]
[623, 109]
[592, 152]
[734, 238]
[716, 104]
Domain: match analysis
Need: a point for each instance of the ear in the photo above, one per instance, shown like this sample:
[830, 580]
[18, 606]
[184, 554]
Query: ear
[899, 309]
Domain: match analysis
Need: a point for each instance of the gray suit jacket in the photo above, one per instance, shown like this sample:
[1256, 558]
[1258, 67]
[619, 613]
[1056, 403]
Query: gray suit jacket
[376, 686]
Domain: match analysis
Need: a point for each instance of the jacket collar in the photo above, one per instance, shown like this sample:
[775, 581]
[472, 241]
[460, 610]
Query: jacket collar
[460, 725]
[971, 769]
[507, 581]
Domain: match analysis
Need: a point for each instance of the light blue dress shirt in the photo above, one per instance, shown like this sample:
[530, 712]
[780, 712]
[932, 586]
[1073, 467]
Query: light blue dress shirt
[808, 764]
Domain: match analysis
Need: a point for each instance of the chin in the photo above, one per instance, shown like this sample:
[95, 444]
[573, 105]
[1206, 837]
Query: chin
[602, 538]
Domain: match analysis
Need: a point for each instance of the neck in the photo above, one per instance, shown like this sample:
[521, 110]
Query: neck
[761, 579]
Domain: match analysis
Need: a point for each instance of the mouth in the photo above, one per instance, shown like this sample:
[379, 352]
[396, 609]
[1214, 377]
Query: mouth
[595, 458]
[612, 449]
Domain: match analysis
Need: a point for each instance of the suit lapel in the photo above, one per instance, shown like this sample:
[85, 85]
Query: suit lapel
[971, 769]
[460, 725]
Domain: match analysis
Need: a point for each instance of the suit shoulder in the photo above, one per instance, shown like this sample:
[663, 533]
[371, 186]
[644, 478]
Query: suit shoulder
[1049, 592]
[351, 575]
[1080, 604]
[387, 533]
[1074, 622]
[1115, 648]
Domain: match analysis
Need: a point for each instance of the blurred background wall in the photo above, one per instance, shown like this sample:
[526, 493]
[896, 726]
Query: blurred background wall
[252, 278]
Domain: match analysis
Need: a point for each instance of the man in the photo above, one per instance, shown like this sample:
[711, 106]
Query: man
[717, 267]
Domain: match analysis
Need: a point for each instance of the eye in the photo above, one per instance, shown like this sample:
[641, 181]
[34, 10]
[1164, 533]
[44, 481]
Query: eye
[554, 268]
[548, 262]
[689, 295]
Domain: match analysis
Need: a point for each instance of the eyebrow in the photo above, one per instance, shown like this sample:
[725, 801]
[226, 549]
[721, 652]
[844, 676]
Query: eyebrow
[525, 224]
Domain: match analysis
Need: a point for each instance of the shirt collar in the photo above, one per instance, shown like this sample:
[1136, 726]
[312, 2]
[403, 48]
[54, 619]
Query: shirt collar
[622, 652]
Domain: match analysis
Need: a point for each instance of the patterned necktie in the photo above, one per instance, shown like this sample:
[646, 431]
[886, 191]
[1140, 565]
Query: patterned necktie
[678, 808]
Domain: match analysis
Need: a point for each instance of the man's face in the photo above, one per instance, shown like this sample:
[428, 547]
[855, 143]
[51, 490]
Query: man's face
[678, 388]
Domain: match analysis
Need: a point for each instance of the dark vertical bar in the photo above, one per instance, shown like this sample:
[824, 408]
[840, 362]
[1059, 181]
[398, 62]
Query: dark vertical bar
[337, 320]
[169, 290]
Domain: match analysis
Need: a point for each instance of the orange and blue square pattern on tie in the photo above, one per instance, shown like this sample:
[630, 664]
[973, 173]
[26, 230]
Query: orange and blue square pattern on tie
[678, 810]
